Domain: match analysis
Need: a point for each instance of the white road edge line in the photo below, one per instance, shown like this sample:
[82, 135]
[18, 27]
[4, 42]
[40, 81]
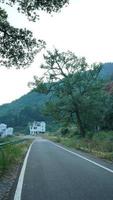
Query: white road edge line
[78, 155]
[18, 191]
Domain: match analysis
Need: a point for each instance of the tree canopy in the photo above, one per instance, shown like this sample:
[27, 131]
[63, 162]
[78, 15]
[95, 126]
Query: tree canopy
[79, 94]
[31, 7]
[18, 47]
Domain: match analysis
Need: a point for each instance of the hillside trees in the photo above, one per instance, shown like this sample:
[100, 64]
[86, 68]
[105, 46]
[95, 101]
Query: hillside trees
[18, 47]
[108, 118]
[19, 120]
[79, 94]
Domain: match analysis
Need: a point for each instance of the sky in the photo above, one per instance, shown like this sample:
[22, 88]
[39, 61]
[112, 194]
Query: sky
[84, 27]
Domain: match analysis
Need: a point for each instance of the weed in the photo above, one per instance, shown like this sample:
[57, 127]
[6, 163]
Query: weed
[99, 144]
[11, 154]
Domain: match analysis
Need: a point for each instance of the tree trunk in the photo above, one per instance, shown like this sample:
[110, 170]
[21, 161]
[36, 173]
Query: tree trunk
[79, 121]
[80, 124]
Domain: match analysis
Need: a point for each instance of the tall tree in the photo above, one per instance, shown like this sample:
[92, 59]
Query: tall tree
[18, 47]
[31, 7]
[78, 92]
[108, 117]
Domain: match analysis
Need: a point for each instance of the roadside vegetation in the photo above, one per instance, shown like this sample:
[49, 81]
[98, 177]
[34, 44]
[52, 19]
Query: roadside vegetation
[12, 154]
[81, 99]
[99, 144]
[79, 94]
[8, 139]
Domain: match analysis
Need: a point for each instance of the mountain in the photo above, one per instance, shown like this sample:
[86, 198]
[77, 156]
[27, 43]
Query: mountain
[23, 110]
[29, 107]
[107, 70]
[31, 99]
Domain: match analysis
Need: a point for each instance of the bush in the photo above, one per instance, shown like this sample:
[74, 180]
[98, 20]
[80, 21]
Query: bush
[64, 131]
[58, 139]
[89, 135]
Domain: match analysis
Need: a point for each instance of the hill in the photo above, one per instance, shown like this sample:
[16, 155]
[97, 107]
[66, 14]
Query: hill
[29, 107]
[23, 110]
[31, 99]
[107, 70]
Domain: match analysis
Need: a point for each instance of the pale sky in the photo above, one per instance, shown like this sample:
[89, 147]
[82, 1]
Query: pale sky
[84, 27]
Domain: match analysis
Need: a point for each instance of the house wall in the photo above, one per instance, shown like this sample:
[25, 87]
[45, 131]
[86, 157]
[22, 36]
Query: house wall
[37, 127]
[9, 131]
[3, 128]
[4, 131]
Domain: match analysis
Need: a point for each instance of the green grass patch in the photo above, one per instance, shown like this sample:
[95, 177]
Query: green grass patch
[100, 144]
[12, 154]
[8, 139]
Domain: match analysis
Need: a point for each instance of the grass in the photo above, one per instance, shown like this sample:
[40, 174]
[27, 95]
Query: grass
[100, 144]
[7, 139]
[11, 155]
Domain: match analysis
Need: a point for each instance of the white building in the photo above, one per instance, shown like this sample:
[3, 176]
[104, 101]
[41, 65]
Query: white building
[37, 127]
[4, 131]
[9, 131]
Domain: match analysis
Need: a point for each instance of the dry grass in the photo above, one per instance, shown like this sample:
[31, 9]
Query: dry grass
[100, 144]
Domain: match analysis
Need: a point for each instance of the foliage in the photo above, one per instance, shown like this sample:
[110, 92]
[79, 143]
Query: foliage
[18, 47]
[108, 118]
[31, 8]
[31, 99]
[107, 71]
[27, 108]
[100, 144]
[12, 154]
[19, 121]
[64, 131]
[79, 94]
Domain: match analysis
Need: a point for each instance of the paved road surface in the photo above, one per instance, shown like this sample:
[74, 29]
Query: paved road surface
[55, 174]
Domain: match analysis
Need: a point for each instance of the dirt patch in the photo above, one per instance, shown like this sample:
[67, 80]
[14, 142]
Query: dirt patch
[7, 181]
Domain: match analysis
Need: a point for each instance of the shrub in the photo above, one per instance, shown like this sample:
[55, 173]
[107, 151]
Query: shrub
[11, 154]
[64, 131]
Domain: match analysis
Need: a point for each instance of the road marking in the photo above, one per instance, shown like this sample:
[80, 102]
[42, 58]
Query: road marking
[18, 191]
[78, 155]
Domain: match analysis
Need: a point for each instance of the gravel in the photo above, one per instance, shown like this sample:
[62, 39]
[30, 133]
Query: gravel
[7, 181]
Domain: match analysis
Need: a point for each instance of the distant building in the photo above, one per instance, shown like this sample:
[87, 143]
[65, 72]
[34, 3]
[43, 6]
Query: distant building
[4, 131]
[3, 128]
[37, 127]
[9, 131]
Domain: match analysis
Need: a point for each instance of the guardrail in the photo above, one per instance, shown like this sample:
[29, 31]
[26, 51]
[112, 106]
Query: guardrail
[2, 145]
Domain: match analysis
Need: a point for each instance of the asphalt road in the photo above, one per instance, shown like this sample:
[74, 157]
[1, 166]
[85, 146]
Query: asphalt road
[55, 174]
